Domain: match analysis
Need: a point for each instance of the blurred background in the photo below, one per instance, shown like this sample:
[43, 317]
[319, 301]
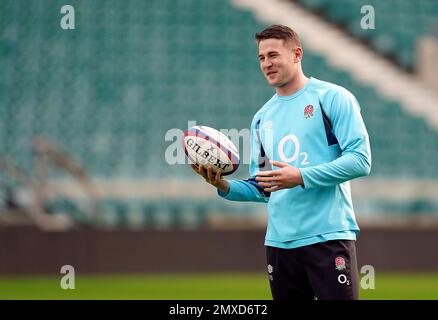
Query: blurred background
[88, 115]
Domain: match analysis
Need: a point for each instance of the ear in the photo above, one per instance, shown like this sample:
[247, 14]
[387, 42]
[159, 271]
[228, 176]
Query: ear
[298, 54]
[297, 58]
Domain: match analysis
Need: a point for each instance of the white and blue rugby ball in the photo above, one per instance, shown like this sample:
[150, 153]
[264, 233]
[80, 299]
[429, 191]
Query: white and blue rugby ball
[208, 146]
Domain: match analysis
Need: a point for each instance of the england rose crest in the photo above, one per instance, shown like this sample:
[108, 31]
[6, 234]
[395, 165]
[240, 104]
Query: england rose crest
[308, 111]
[340, 263]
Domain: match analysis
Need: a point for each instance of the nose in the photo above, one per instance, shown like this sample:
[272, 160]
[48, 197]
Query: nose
[267, 64]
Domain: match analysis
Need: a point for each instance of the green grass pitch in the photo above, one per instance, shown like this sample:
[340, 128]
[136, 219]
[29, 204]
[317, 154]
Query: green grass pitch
[205, 286]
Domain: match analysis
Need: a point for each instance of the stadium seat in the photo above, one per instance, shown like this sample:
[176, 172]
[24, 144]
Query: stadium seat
[396, 31]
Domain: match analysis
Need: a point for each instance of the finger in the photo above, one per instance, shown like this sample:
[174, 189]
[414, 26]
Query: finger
[218, 177]
[270, 173]
[264, 179]
[209, 173]
[278, 163]
[201, 171]
[268, 184]
[264, 173]
[273, 189]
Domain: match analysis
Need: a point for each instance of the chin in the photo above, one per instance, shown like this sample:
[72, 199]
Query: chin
[274, 83]
[277, 84]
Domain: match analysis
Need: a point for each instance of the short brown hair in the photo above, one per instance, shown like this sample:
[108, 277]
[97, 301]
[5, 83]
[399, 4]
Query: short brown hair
[278, 31]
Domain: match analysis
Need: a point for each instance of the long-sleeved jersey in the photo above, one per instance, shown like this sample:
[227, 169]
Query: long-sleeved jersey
[318, 129]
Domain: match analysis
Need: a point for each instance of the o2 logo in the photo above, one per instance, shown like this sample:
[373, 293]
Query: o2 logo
[342, 279]
[297, 155]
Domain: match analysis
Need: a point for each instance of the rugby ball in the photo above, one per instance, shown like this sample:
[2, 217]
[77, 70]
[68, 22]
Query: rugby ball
[208, 146]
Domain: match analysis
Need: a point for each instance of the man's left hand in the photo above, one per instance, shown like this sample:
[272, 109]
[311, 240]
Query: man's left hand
[285, 177]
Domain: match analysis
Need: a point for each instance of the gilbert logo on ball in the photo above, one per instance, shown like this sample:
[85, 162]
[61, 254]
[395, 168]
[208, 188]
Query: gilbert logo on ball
[208, 146]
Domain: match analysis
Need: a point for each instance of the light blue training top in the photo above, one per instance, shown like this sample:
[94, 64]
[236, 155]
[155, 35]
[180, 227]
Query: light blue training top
[318, 129]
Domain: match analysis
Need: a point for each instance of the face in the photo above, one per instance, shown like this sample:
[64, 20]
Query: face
[278, 61]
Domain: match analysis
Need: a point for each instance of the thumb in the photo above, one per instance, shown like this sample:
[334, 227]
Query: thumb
[278, 164]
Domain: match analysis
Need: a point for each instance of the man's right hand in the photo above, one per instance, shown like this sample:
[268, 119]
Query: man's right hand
[215, 180]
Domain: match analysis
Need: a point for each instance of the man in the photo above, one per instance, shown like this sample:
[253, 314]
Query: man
[313, 132]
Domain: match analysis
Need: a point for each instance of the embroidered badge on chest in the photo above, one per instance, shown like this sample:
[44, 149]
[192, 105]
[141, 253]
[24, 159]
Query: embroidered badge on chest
[308, 111]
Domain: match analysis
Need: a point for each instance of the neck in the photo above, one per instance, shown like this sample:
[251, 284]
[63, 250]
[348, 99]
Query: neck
[297, 83]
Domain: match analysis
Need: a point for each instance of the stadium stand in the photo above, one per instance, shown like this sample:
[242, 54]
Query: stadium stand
[399, 23]
[108, 91]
